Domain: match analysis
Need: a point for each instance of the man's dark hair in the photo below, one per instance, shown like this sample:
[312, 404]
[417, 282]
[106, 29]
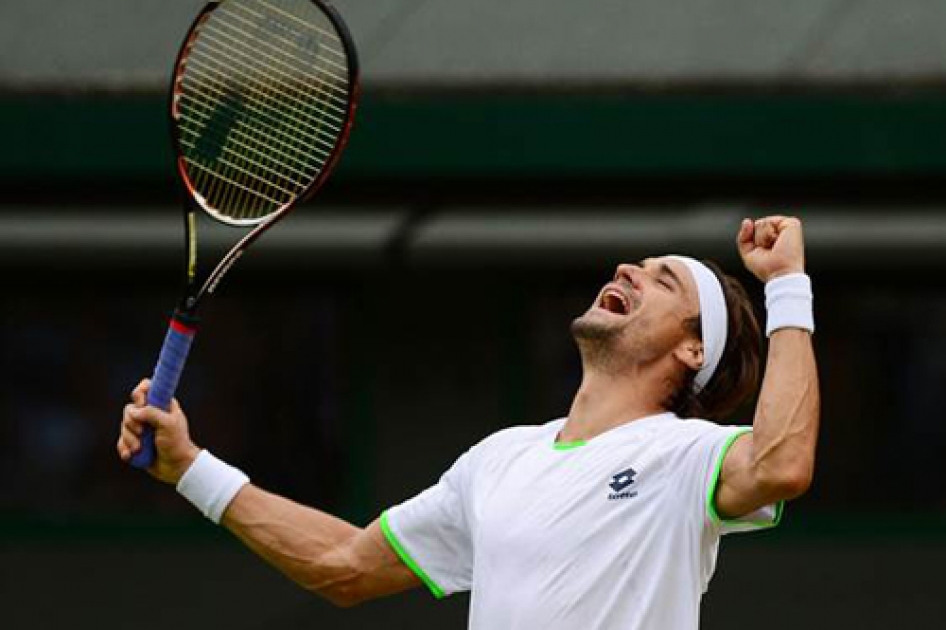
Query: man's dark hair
[740, 368]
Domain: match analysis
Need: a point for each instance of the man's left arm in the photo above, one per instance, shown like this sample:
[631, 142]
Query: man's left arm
[775, 462]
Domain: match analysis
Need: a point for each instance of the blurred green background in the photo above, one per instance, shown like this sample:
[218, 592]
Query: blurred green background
[505, 157]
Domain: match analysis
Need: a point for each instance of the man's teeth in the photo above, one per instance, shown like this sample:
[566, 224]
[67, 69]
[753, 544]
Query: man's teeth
[622, 301]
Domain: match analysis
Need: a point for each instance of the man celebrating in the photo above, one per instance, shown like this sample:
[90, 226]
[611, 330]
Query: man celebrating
[609, 518]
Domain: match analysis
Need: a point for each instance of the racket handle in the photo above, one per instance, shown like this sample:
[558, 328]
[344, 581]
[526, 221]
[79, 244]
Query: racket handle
[167, 374]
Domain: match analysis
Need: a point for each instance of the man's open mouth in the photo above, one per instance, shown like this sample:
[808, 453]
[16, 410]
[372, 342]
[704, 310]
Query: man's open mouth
[614, 301]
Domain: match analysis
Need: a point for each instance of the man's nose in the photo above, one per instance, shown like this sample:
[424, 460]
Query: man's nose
[627, 272]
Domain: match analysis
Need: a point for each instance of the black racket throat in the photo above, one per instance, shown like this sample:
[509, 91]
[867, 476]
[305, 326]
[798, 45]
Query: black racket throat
[204, 267]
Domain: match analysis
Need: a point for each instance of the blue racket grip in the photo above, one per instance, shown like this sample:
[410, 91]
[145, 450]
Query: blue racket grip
[167, 374]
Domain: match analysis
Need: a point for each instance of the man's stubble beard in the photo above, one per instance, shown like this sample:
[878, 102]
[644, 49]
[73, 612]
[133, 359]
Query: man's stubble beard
[599, 344]
[613, 348]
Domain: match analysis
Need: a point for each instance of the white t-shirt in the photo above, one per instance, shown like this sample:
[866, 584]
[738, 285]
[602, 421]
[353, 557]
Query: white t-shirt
[620, 532]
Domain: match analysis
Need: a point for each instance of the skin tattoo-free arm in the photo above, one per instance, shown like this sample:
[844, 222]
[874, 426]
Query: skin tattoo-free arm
[775, 461]
[343, 563]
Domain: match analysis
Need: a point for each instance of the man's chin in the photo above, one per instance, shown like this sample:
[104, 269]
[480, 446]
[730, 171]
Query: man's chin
[593, 328]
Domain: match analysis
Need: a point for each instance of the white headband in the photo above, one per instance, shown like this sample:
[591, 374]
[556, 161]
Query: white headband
[713, 318]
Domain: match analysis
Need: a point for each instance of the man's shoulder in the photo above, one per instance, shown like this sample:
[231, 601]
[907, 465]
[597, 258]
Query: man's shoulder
[688, 430]
[519, 435]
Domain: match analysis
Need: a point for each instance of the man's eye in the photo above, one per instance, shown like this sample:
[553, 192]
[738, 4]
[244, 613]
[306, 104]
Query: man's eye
[665, 285]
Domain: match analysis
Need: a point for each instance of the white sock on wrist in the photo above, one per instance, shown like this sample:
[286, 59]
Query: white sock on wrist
[210, 485]
[788, 303]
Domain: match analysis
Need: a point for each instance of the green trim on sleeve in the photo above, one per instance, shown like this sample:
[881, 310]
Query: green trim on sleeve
[711, 492]
[407, 559]
[567, 446]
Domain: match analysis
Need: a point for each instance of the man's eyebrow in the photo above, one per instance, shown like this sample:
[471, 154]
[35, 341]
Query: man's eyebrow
[667, 271]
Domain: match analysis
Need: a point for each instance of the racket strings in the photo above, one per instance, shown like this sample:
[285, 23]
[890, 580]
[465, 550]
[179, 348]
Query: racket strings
[213, 73]
[243, 136]
[262, 103]
[340, 64]
[284, 63]
[214, 81]
[278, 180]
[270, 167]
[292, 70]
[275, 9]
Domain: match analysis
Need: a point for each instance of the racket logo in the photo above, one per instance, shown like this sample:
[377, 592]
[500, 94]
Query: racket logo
[304, 41]
[224, 269]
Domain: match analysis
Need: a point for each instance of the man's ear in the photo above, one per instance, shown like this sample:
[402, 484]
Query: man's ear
[690, 353]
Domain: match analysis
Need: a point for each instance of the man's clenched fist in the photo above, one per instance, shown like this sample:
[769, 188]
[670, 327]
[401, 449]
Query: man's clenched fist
[772, 246]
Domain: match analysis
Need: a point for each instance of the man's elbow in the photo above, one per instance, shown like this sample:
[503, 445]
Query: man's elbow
[788, 482]
[344, 593]
[344, 596]
[795, 485]
[347, 585]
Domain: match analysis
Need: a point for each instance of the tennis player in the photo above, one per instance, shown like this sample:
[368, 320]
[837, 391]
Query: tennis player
[608, 518]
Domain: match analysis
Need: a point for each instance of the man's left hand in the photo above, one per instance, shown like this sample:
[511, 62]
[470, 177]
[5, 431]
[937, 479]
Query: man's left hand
[772, 246]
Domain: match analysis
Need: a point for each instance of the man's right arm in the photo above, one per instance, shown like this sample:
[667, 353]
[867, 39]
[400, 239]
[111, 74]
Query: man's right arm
[324, 554]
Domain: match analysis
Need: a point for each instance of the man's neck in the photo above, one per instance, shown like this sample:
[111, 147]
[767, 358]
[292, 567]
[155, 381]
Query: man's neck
[604, 402]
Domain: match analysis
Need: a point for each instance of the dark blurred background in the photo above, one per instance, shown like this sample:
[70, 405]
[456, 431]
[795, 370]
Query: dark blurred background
[507, 154]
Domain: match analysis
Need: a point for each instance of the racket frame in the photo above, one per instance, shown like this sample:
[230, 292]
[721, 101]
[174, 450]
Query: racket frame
[192, 293]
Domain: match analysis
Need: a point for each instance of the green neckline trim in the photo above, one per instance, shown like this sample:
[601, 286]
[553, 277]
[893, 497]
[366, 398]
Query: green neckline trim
[567, 446]
[711, 492]
[407, 559]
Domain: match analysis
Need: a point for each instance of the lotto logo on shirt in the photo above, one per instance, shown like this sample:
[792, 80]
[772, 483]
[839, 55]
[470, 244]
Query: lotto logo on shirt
[621, 483]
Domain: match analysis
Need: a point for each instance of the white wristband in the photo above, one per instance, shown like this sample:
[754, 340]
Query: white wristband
[210, 484]
[788, 303]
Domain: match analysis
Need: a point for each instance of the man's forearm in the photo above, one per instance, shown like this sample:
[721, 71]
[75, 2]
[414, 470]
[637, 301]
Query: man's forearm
[324, 554]
[343, 563]
[308, 546]
[785, 428]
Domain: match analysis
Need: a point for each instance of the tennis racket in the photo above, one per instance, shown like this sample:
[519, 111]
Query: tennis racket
[262, 101]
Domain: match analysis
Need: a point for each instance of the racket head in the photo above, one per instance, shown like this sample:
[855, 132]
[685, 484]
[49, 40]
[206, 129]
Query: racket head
[263, 97]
